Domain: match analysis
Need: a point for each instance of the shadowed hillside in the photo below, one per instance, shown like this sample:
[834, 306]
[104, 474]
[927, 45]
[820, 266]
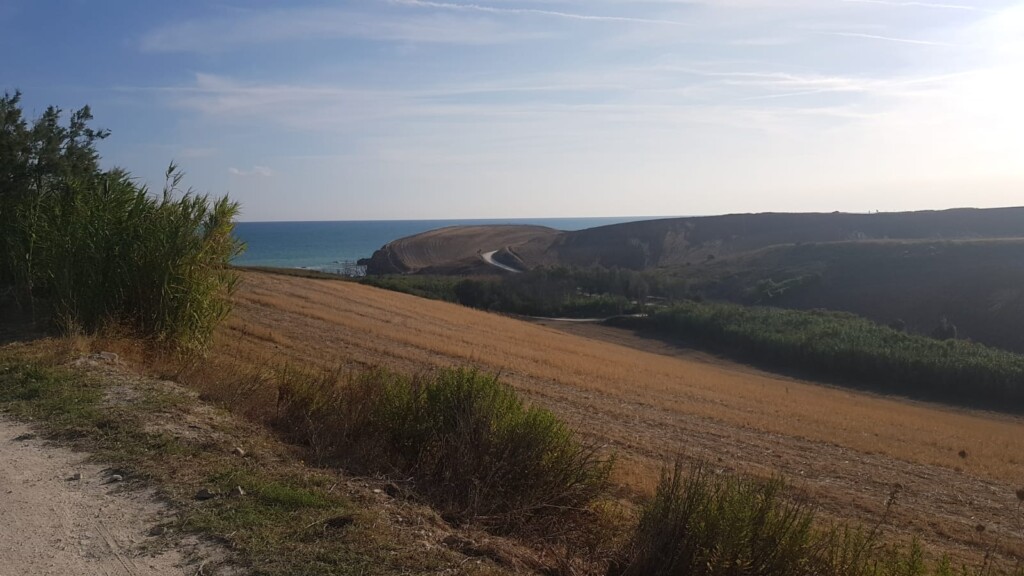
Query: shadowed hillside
[977, 284]
[680, 241]
[910, 269]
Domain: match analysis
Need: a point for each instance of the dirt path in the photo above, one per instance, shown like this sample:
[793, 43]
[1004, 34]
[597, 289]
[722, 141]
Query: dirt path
[51, 523]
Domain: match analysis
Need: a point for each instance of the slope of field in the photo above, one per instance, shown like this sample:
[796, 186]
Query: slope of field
[957, 469]
[455, 249]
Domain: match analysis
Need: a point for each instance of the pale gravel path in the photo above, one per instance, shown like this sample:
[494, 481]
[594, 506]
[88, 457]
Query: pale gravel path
[489, 258]
[52, 525]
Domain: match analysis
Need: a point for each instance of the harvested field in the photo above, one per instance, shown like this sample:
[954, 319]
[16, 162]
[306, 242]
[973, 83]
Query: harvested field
[958, 469]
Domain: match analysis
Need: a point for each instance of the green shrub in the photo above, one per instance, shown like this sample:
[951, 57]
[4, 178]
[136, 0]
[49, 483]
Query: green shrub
[464, 439]
[698, 524]
[851, 350]
[107, 252]
[87, 248]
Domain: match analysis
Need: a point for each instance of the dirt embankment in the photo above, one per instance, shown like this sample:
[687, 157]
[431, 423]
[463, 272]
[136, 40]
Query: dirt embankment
[650, 403]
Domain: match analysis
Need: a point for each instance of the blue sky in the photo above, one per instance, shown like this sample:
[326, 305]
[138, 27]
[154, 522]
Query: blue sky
[410, 109]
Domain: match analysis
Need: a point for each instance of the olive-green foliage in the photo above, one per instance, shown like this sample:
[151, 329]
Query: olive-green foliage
[702, 524]
[433, 287]
[698, 524]
[852, 350]
[95, 248]
[466, 441]
[551, 292]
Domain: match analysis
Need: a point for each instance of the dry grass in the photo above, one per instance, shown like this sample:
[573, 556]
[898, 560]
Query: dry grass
[845, 449]
[291, 519]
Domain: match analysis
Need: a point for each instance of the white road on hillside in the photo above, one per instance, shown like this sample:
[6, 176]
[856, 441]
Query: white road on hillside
[489, 258]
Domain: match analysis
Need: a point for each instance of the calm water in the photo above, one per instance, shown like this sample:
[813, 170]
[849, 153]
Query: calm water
[327, 245]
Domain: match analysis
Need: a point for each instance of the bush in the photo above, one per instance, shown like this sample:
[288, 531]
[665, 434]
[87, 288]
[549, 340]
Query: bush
[699, 524]
[90, 248]
[466, 441]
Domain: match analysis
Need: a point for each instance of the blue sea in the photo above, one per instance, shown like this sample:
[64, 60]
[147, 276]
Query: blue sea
[336, 246]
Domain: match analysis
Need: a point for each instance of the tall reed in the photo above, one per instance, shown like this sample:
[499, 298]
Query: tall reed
[103, 250]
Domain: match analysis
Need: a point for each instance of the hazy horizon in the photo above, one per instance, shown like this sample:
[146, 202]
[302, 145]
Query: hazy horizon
[626, 217]
[426, 110]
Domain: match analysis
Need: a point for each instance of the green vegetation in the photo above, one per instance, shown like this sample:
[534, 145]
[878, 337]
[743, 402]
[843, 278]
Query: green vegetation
[467, 442]
[549, 292]
[424, 286]
[700, 524]
[88, 249]
[850, 350]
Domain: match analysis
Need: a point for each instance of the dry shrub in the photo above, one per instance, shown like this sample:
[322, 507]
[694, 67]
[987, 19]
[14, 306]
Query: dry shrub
[464, 440]
[702, 524]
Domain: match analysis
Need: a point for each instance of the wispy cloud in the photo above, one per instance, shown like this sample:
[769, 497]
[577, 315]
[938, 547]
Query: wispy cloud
[937, 5]
[888, 38]
[535, 12]
[218, 34]
[256, 171]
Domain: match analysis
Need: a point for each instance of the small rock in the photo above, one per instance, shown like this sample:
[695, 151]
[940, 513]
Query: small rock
[157, 531]
[108, 357]
[75, 477]
[115, 478]
[205, 494]
[239, 452]
[236, 492]
[23, 437]
[378, 491]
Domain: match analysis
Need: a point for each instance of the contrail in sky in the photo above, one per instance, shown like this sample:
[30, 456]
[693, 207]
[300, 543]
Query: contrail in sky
[534, 11]
[887, 38]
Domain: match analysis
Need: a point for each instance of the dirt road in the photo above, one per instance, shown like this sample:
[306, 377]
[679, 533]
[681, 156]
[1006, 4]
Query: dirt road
[61, 515]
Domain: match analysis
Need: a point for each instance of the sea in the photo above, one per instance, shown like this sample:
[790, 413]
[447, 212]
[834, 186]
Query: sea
[336, 246]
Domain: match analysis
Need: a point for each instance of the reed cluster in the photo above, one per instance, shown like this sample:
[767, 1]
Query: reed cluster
[86, 249]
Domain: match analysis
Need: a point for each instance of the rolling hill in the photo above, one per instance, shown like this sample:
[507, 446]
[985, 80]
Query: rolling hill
[910, 268]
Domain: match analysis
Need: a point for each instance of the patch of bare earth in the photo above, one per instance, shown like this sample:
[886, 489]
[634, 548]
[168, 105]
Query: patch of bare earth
[650, 403]
[62, 514]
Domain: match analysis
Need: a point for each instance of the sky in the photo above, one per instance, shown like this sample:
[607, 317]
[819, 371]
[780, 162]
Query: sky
[422, 109]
